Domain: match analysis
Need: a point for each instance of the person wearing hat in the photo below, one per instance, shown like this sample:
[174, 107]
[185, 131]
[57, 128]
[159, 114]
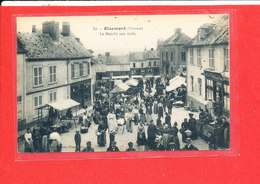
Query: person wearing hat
[189, 146]
[130, 147]
[77, 139]
[193, 128]
[174, 136]
[112, 147]
[141, 138]
[88, 148]
[151, 132]
[28, 141]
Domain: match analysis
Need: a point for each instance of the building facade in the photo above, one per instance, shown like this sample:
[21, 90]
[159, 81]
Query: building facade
[145, 63]
[172, 53]
[112, 66]
[57, 66]
[208, 67]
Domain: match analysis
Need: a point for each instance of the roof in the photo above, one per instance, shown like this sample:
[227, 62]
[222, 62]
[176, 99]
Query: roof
[218, 35]
[64, 104]
[113, 59]
[151, 54]
[118, 60]
[177, 39]
[41, 46]
[137, 56]
[20, 48]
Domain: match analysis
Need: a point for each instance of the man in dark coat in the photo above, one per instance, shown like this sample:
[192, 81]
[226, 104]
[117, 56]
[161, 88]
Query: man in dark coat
[189, 146]
[168, 120]
[77, 139]
[151, 132]
[130, 147]
[113, 147]
[193, 128]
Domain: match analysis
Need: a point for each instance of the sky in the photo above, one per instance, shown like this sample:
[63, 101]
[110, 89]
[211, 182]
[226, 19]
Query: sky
[144, 30]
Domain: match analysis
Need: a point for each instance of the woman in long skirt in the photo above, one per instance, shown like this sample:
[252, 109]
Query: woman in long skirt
[166, 137]
[101, 135]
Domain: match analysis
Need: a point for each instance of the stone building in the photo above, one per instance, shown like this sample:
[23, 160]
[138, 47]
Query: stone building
[172, 53]
[57, 67]
[208, 66]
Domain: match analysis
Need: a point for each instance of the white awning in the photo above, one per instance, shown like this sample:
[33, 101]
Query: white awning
[131, 82]
[137, 76]
[175, 83]
[120, 77]
[64, 104]
[120, 88]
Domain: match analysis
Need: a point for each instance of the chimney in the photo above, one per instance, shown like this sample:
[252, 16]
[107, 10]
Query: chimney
[177, 32]
[33, 28]
[151, 48]
[107, 54]
[51, 28]
[65, 29]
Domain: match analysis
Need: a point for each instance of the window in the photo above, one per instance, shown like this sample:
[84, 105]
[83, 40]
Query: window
[72, 71]
[85, 69]
[211, 58]
[191, 56]
[37, 102]
[209, 83]
[167, 58]
[162, 56]
[200, 86]
[142, 65]
[81, 69]
[88, 68]
[183, 56]
[19, 99]
[226, 59]
[198, 57]
[37, 76]
[134, 65]
[192, 83]
[226, 97]
[171, 56]
[150, 63]
[154, 63]
[52, 96]
[52, 74]
[209, 89]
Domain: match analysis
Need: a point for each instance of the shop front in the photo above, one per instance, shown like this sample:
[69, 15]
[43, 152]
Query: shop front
[217, 89]
[81, 92]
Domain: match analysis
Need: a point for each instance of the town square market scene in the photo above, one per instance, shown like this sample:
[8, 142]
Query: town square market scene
[124, 83]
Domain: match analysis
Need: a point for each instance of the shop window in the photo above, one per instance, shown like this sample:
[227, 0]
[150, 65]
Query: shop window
[226, 59]
[37, 102]
[37, 76]
[212, 58]
[191, 57]
[198, 57]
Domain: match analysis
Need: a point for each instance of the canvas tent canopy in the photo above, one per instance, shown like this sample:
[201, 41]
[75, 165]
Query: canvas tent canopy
[117, 82]
[175, 83]
[132, 82]
[120, 88]
[64, 104]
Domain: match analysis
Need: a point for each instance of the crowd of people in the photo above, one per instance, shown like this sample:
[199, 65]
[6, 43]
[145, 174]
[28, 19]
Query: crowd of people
[147, 109]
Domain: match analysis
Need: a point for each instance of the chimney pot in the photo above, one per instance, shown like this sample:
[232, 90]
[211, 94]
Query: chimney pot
[107, 54]
[51, 28]
[65, 29]
[33, 28]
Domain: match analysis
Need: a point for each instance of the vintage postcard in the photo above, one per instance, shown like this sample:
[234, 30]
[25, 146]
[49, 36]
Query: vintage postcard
[123, 83]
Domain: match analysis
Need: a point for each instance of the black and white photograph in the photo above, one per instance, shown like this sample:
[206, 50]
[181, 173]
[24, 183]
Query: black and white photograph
[123, 83]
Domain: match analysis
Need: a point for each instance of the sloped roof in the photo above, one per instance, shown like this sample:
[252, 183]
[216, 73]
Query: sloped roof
[20, 48]
[151, 54]
[41, 46]
[218, 35]
[180, 39]
[118, 60]
[136, 56]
